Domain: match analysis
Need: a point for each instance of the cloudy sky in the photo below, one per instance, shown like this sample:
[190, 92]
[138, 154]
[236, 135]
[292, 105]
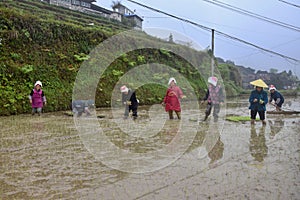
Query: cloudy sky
[280, 39]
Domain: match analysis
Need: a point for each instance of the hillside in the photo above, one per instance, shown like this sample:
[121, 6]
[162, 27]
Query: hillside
[282, 80]
[49, 43]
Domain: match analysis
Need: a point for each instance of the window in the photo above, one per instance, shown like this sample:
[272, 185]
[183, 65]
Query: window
[76, 2]
[85, 4]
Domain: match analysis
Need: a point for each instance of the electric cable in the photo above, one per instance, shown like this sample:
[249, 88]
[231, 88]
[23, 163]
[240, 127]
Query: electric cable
[292, 4]
[216, 31]
[251, 14]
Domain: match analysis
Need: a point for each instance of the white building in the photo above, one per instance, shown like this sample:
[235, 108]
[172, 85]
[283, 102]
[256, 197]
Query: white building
[120, 13]
[129, 15]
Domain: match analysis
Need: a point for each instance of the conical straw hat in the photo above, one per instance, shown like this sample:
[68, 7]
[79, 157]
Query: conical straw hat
[259, 83]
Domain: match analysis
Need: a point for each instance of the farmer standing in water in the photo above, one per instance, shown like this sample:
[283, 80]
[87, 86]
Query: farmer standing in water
[172, 99]
[258, 100]
[214, 97]
[276, 96]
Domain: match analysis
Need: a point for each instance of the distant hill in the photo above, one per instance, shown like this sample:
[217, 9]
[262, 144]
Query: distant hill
[282, 80]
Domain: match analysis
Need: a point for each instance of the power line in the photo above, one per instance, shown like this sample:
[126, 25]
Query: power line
[254, 15]
[170, 15]
[251, 14]
[290, 3]
[154, 17]
[216, 31]
[256, 46]
[256, 51]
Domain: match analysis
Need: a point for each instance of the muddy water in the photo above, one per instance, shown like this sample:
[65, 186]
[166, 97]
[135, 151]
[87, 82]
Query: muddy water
[47, 158]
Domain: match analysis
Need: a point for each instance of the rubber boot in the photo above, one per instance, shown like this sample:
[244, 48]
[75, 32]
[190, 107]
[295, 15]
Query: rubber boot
[171, 114]
[134, 116]
[264, 122]
[178, 114]
[205, 118]
[252, 121]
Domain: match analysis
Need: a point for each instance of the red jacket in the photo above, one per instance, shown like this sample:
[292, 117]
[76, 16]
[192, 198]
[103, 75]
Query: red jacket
[172, 99]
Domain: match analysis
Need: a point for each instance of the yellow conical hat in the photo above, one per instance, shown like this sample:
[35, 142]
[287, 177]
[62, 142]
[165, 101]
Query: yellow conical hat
[259, 83]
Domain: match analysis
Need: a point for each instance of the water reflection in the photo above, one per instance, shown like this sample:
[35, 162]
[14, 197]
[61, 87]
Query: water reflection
[275, 126]
[217, 151]
[209, 143]
[44, 158]
[141, 144]
[258, 147]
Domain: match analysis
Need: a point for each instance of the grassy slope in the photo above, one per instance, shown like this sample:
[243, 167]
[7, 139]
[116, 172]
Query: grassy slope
[49, 43]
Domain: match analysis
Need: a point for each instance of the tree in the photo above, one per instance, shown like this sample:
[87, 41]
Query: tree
[171, 38]
[273, 71]
[230, 62]
[115, 4]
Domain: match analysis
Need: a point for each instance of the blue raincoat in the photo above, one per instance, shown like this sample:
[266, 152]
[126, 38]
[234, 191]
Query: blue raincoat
[262, 95]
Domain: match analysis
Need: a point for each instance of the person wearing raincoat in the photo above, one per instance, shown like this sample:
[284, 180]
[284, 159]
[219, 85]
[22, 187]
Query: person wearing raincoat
[276, 96]
[214, 97]
[37, 98]
[258, 100]
[130, 102]
[172, 99]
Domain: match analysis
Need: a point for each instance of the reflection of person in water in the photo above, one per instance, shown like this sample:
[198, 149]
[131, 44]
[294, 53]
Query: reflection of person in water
[275, 126]
[216, 152]
[213, 145]
[169, 132]
[258, 147]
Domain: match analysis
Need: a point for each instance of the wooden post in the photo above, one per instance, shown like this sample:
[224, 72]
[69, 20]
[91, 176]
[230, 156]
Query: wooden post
[212, 51]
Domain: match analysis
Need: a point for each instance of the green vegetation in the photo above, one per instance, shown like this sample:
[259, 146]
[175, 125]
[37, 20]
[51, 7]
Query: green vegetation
[235, 118]
[49, 43]
[232, 79]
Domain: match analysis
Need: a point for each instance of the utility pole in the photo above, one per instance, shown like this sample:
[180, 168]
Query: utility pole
[212, 51]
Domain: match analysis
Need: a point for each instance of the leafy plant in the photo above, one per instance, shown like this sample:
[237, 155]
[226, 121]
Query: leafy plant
[81, 57]
[117, 73]
[132, 64]
[165, 52]
[26, 33]
[141, 59]
[27, 68]
[15, 56]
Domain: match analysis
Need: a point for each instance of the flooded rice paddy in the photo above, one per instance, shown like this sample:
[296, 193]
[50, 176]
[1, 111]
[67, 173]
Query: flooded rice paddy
[56, 157]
